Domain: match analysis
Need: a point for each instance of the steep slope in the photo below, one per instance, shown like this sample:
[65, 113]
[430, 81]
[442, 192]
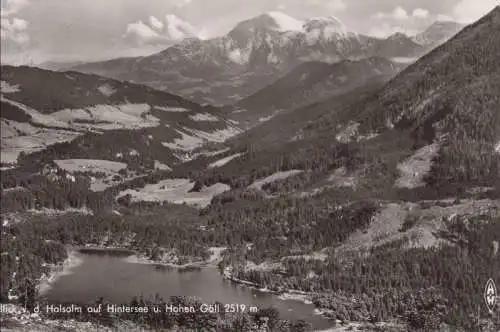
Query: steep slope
[255, 52]
[311, 82]
[449, 95]
[99, 118]
[459, 107]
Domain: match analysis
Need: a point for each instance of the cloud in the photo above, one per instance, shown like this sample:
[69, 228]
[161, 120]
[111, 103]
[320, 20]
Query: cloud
[330, 5]
[12, 7]
[13, 31]
[178, 29]
[13, 34]
[468, 11]
[156, 32]
[15, 41]
[421, 13]
[139, 33]
[399, 20]
[443, 18]
[141, 30]
[182, 3]
[399, 14]
[156, 23]
[336, 5]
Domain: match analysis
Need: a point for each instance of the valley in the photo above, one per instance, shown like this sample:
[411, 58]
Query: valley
[294, 166]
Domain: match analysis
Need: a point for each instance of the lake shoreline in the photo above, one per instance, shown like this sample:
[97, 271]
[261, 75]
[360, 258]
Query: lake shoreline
[46, 281]
[212, 261]
[284, 295]
[131, 256]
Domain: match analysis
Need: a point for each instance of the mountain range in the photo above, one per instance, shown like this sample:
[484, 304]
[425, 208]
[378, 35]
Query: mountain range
[253, 54]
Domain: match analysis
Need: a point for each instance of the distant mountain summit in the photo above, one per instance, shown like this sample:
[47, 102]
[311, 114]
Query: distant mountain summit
[438, 33]
[277, 39]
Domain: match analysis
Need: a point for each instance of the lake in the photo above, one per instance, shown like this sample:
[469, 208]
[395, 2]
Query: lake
[117, 279]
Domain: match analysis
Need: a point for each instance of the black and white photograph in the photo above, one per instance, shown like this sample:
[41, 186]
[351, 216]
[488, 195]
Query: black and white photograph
[250, 166]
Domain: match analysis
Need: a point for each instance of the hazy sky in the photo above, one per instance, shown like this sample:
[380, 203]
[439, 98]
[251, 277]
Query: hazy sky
[67, 30]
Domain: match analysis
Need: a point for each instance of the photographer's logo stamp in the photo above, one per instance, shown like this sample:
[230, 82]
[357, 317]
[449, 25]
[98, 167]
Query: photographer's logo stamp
[490, 295]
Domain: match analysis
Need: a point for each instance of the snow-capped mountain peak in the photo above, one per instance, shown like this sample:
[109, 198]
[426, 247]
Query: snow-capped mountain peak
[330, 25]
[326, 29]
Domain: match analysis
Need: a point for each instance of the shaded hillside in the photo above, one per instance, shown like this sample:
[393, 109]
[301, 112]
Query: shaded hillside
[292, 125]
[50, 91]
[313, 81]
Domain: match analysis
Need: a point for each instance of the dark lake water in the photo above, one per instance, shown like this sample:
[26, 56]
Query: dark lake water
[117, 279]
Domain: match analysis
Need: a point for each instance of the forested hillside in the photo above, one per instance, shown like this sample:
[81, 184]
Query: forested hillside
[312, 82]
[68, 115]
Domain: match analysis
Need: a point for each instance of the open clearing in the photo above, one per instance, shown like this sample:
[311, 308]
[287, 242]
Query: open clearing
[107, 90]
[176, 191]
[6, 87]
[171, 109]
[109, 168]
[192, 139]
[274, 177]
[223, 161]
[98, 117]
[22, 137]
[204, 117]
[108, 117]
[90, 165]
[185, 143]
[427, 222]
[415, 168]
